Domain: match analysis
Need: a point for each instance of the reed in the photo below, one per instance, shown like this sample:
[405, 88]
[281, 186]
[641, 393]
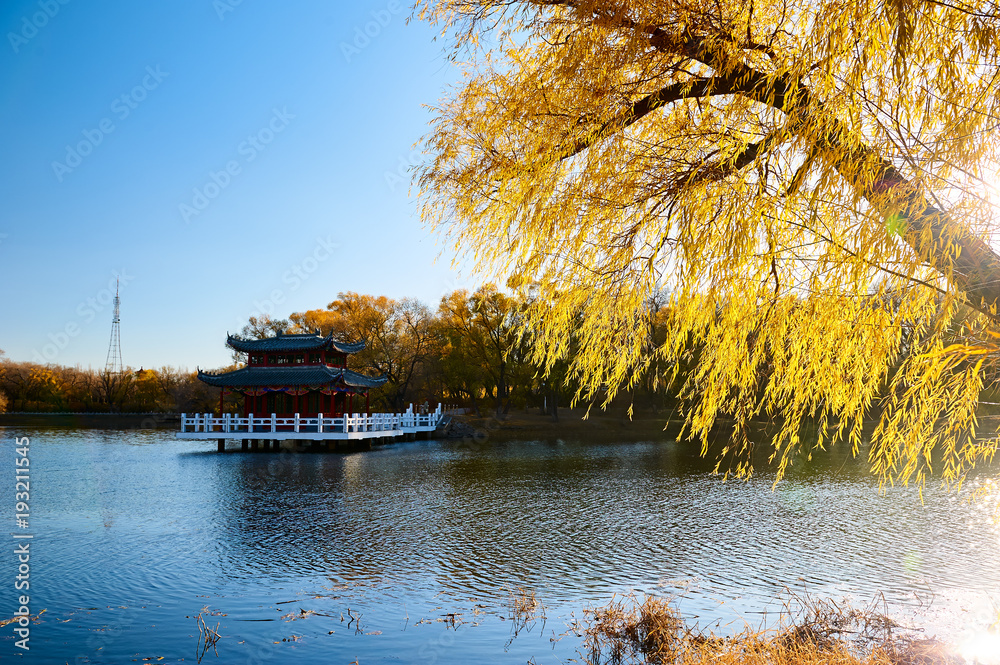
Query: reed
[522, 604]
[650, 631]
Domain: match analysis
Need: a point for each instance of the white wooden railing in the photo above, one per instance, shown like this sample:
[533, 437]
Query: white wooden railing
[358, 422]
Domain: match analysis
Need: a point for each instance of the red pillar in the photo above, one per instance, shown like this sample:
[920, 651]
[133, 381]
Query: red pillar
[366, 403]
[222, 391]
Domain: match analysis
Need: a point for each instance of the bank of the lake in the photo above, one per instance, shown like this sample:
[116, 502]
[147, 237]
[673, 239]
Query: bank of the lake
[137, 533]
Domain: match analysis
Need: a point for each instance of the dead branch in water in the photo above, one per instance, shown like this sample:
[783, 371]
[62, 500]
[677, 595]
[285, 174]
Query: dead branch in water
[207, 637]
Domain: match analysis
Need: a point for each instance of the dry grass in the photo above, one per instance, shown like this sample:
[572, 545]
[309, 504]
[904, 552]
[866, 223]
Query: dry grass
[524, 610]
[522, 604]
[652, 632]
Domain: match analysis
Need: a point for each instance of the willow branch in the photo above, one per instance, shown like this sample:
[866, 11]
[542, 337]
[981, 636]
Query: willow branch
[962, 257]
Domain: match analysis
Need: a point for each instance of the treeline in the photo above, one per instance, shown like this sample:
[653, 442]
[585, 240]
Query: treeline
[471, 351]
[30, 387]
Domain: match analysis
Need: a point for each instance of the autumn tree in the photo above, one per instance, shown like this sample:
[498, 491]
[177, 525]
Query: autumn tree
[485, 335]
[806, 180]
[32, 387]
[397, 335]
[456, 365]
[115, 388]
[259, 327]
[3, 397]
[181, 391]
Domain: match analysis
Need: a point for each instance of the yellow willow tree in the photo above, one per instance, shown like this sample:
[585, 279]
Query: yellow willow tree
[805, 179]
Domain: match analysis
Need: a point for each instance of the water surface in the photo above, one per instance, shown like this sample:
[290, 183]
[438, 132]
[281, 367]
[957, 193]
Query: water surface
[137, 533]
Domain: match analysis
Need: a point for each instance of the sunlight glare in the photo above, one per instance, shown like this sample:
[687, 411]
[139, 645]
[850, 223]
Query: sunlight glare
[982, 648]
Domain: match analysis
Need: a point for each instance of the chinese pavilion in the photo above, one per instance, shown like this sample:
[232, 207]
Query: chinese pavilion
[288, 374]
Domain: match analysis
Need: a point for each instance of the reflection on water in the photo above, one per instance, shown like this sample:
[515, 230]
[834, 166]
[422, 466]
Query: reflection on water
[138, 533]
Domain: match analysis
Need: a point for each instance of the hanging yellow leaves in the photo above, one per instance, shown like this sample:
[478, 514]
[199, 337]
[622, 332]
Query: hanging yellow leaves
[805, 180]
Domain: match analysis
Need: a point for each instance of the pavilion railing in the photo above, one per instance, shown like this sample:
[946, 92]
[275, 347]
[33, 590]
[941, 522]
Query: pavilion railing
[359, 422]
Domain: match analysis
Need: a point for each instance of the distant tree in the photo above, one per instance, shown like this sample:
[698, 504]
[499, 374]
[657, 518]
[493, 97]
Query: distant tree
[187, 393]
[397, 335]
[486, 342]
[146, 394]
[33, 387]
[115, 389]
[323, 321]
[457, 362]
[259, 327]
[3, 397]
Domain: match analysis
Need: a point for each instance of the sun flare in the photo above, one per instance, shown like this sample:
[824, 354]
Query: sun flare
[981, 647]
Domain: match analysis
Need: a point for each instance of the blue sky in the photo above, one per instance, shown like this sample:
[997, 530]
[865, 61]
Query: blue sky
[225, 158]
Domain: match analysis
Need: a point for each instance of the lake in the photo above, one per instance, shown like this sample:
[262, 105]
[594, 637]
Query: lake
[410, 552]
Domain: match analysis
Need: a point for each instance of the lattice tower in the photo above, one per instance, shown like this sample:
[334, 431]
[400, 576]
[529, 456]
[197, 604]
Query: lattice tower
[114, 362]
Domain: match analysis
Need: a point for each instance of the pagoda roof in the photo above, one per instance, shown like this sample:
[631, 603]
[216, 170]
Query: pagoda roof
[301, 375]
[298, 342]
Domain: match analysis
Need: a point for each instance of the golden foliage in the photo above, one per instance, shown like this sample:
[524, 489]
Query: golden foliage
[396, 335]
[805, 180]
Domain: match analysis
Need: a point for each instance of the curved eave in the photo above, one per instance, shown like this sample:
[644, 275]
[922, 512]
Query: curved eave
[292, 343]
[344, 347]
[305, 375]
[356, 380]
[279, 343]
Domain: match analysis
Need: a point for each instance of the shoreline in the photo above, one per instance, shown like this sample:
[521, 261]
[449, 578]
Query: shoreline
[600, 426]
[84, 420]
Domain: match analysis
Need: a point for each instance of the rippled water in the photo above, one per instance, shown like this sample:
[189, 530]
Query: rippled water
[136, 533]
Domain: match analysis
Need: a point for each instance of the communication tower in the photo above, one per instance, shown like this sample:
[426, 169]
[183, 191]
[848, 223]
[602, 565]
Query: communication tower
[114, 362]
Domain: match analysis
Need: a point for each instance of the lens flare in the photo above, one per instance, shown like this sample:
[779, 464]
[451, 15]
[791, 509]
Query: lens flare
[982, 648]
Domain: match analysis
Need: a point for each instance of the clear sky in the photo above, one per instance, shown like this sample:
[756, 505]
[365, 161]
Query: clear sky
[225, 157]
